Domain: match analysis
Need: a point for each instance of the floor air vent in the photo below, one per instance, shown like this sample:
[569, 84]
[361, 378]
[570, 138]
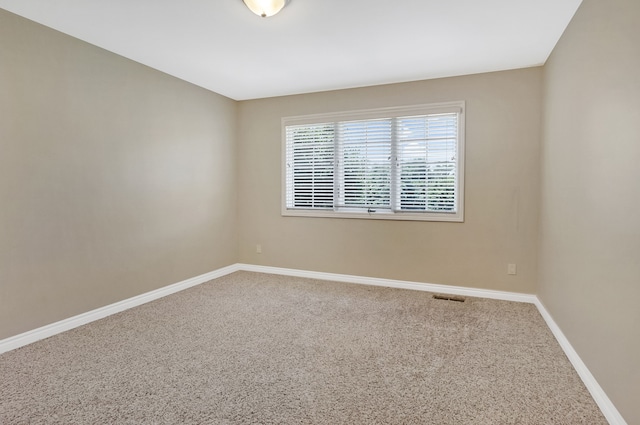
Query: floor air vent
[449, 298]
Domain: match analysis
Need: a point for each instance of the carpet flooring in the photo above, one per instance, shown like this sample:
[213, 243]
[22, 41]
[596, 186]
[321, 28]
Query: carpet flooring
[253, 348]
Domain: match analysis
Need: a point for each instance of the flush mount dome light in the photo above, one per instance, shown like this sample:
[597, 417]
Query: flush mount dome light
[265, 8]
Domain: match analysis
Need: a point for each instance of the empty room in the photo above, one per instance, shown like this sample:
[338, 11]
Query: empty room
[319, 212]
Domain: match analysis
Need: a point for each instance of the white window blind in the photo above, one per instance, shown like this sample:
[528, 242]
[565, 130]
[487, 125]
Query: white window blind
[364, 166]
[310, 163]
[400, 163]
[427, 165]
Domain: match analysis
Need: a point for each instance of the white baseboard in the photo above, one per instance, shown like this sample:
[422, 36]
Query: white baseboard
[598, 394]
[604, 403]
[46, 331]
[429, 287]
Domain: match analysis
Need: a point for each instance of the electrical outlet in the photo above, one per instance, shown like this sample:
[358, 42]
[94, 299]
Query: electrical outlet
[259, 249]
[511, 269]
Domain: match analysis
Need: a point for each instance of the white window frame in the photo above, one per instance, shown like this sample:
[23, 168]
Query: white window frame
[425, 109]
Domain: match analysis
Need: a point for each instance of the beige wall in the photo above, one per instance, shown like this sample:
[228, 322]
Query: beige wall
[590, 225]
[502, 165]
[115, 179]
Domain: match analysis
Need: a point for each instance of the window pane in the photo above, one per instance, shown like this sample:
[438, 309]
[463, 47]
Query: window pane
[310, 159]
[427, 147]
[365, 168]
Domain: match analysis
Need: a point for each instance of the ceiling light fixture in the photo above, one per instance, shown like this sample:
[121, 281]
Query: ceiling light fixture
[265, 8]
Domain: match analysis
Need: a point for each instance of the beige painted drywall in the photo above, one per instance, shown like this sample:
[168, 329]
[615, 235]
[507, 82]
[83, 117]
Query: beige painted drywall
[115, 179]
[502, 164]
[590, 226]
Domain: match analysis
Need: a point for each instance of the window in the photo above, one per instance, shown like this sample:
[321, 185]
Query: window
[392, 163]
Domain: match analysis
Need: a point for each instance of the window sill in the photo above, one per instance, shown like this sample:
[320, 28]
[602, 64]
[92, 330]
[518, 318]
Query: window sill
[444, 217]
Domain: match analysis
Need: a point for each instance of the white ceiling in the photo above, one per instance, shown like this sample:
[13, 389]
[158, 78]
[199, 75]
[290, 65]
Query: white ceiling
[312, 45]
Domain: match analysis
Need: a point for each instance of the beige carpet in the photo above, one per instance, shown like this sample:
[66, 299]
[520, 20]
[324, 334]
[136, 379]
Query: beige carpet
[261, 349]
